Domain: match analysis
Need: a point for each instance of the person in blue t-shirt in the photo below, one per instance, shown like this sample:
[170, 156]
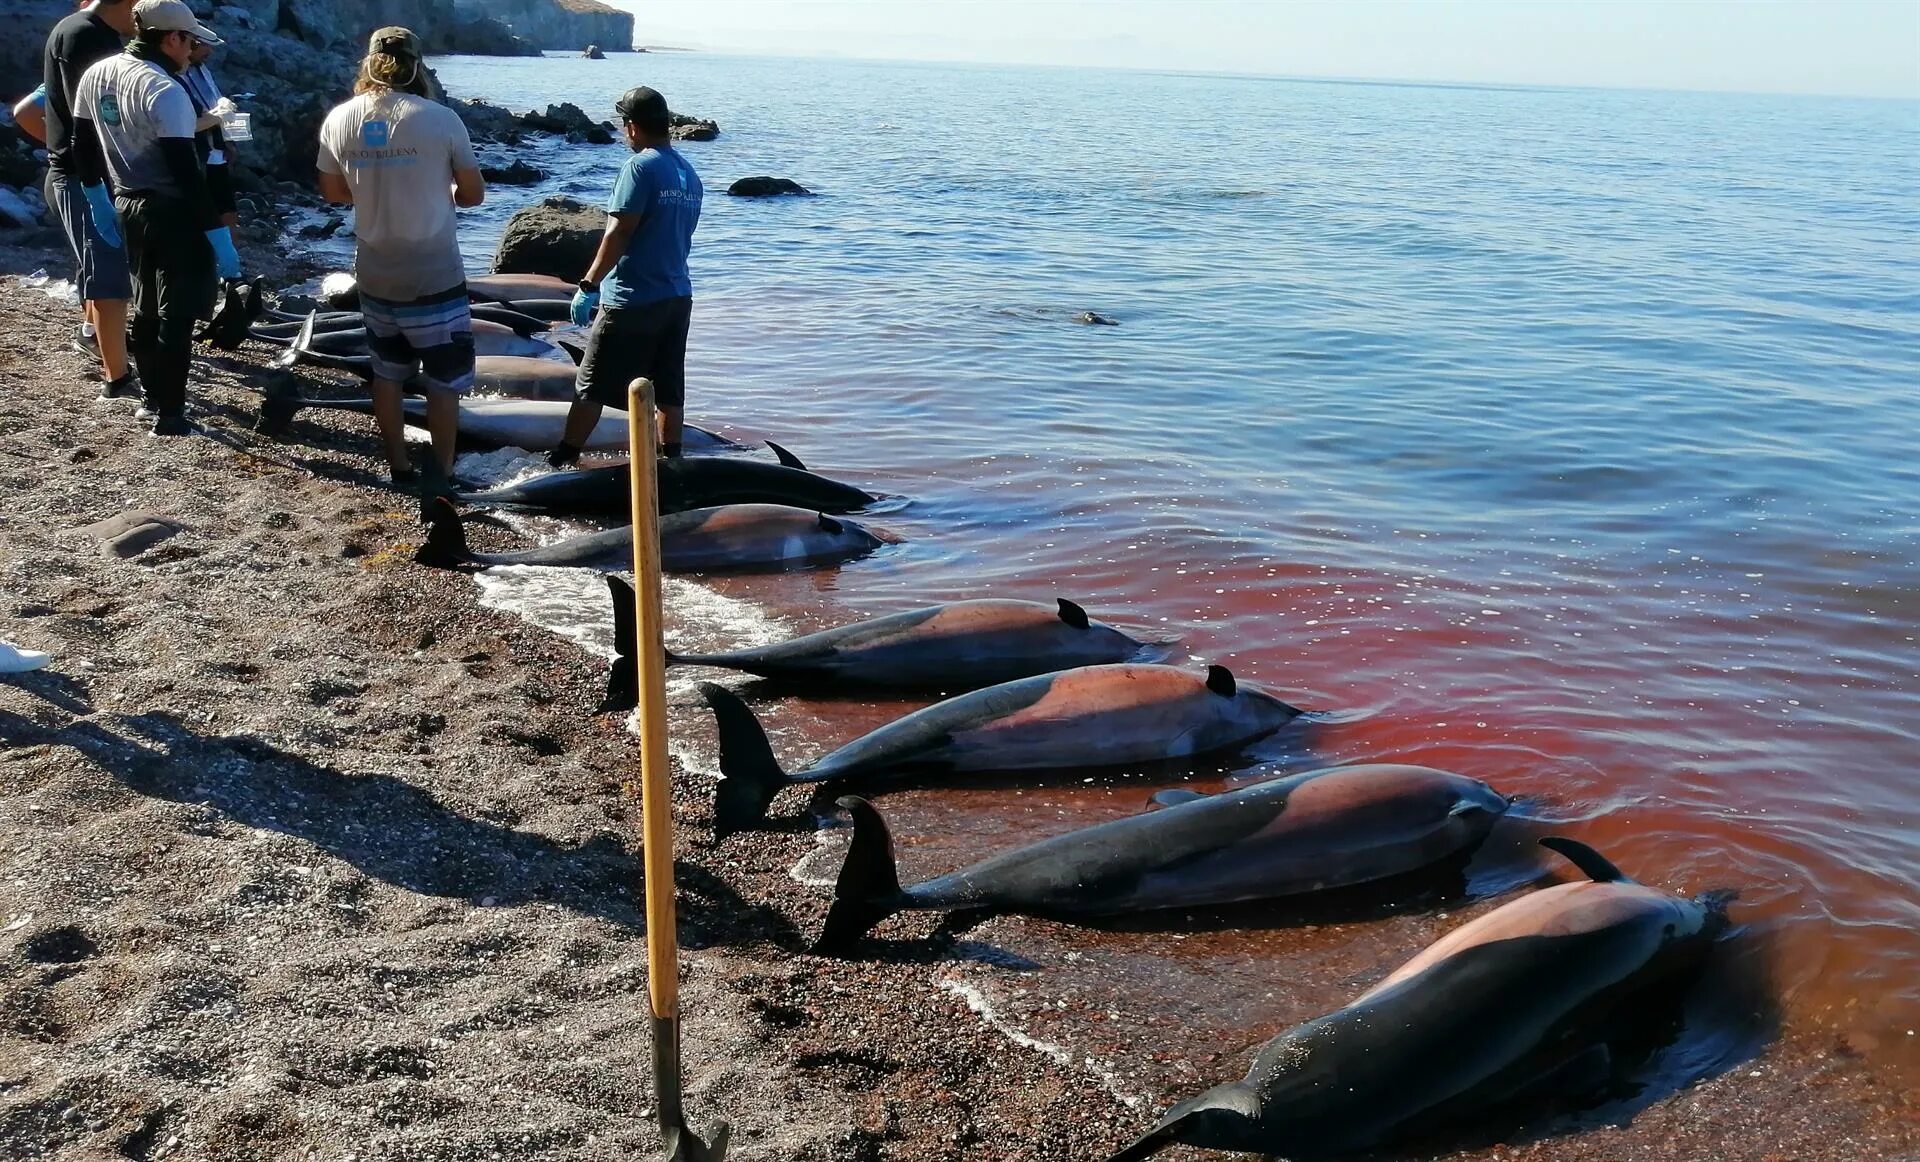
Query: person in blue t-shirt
[638, 282]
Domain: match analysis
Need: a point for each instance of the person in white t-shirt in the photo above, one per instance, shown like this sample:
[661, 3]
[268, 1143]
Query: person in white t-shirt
[404, 162]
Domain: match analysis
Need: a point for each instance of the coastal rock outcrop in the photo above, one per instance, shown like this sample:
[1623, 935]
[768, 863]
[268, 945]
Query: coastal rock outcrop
[767, 188]
[517, 174]
[484, 36]
[594, 53]
[558, 237]
[685, 128]
[565, 117]
[562, 24]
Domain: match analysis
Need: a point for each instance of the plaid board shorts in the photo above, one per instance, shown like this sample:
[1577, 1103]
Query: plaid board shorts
[430, 336]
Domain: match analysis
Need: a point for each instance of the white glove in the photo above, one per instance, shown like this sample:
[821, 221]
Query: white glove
[223, 108]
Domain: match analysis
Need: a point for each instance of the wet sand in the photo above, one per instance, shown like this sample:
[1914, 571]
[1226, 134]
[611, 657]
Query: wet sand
[307, 854]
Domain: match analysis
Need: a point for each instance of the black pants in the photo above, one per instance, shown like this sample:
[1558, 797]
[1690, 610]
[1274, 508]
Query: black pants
[173, 275]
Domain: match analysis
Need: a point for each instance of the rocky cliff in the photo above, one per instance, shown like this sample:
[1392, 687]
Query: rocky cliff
[561, 24]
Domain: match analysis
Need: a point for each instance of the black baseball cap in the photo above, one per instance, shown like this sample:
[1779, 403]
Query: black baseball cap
[641, 104]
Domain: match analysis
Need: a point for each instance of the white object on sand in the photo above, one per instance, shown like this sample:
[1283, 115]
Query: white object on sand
[14, 660]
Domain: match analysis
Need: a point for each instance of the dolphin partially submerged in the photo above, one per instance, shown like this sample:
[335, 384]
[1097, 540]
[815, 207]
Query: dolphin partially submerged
[1088, 717]
[533, 424]
[960, 646]
[730, 538]
[1516, 1004]
[1311, 832]
[683, 484]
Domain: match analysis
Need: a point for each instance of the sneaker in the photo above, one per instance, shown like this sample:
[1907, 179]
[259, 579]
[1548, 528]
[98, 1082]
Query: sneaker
[86, 344]
[174, 425]
[125, 387]
[14, 660]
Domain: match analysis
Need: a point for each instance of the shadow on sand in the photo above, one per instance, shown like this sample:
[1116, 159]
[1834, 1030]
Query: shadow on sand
[394, 831]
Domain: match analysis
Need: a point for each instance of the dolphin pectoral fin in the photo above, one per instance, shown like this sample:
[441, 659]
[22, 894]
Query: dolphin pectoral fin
[1175, 798]
[1220, 681]
[753, 775]
[868, 890]
[1073, 615]
[1217, 1119]
[575, 352]
[1596, 866]
[623, 673]
[446, 546]
[786, 457]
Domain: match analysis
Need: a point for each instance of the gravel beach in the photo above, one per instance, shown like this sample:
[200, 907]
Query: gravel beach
[305, 854]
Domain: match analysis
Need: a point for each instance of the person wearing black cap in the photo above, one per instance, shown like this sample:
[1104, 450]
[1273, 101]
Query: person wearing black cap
[638, 281]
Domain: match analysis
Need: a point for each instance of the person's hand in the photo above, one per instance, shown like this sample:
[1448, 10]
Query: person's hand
[226, 259]
[105, 223]
[585, 302]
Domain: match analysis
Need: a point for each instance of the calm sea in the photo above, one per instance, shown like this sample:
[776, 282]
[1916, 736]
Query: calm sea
[1563, 438]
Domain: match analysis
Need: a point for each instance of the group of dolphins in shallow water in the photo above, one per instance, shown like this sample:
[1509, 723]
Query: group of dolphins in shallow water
[1517, 1006]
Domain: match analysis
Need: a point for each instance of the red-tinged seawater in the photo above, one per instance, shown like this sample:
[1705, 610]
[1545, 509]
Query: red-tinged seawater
[1561, 438]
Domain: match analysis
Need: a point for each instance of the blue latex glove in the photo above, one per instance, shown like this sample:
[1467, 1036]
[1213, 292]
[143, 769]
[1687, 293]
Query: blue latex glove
[105, 223]
[584, 304]
[225, 258]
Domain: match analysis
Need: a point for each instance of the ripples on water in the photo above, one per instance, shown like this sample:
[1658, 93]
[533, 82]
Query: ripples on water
[1561, 438]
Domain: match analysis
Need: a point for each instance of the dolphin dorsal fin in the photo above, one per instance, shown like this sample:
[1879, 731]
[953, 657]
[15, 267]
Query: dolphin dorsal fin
[1596, 866]
[828, 524]
[1220, 681]
[1073, 615]
[786, 457]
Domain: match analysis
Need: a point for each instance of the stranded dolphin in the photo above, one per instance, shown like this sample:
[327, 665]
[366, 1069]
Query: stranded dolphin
[496, 371]
[287, 324]
[731, 538]
[1092, 716]
[683, 484]
[533, 424]
[1518, 1003]
[961, 646]
[346, 347]
[1311, 832]
[502, 288]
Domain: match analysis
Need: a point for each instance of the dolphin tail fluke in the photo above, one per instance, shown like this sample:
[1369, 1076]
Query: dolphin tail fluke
[1596, 866]
[623, 674]
[446, 546]
[753, 775]
[1150, 1145]
[868, 890]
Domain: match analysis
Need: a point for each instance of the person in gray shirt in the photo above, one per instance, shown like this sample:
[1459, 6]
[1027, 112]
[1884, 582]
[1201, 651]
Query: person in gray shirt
[404, 162]
[135, 123]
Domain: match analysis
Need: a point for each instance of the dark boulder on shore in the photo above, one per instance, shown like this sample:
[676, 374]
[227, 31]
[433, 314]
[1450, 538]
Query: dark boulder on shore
[486, 122]
[517, 174]
[558, 237]
[767, 188]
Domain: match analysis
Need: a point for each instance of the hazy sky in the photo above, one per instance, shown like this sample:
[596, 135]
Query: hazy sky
[1863, 47]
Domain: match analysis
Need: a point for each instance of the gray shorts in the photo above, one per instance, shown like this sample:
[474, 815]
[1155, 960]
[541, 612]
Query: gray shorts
[103, 275]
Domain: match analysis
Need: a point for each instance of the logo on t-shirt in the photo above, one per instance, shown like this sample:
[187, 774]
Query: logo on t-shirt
[374, 134]
[110, 108]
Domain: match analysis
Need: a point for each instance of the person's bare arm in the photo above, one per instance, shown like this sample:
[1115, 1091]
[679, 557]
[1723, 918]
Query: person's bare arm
[31, 115]
[469, 188]
[334, 188]
[613, 245]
